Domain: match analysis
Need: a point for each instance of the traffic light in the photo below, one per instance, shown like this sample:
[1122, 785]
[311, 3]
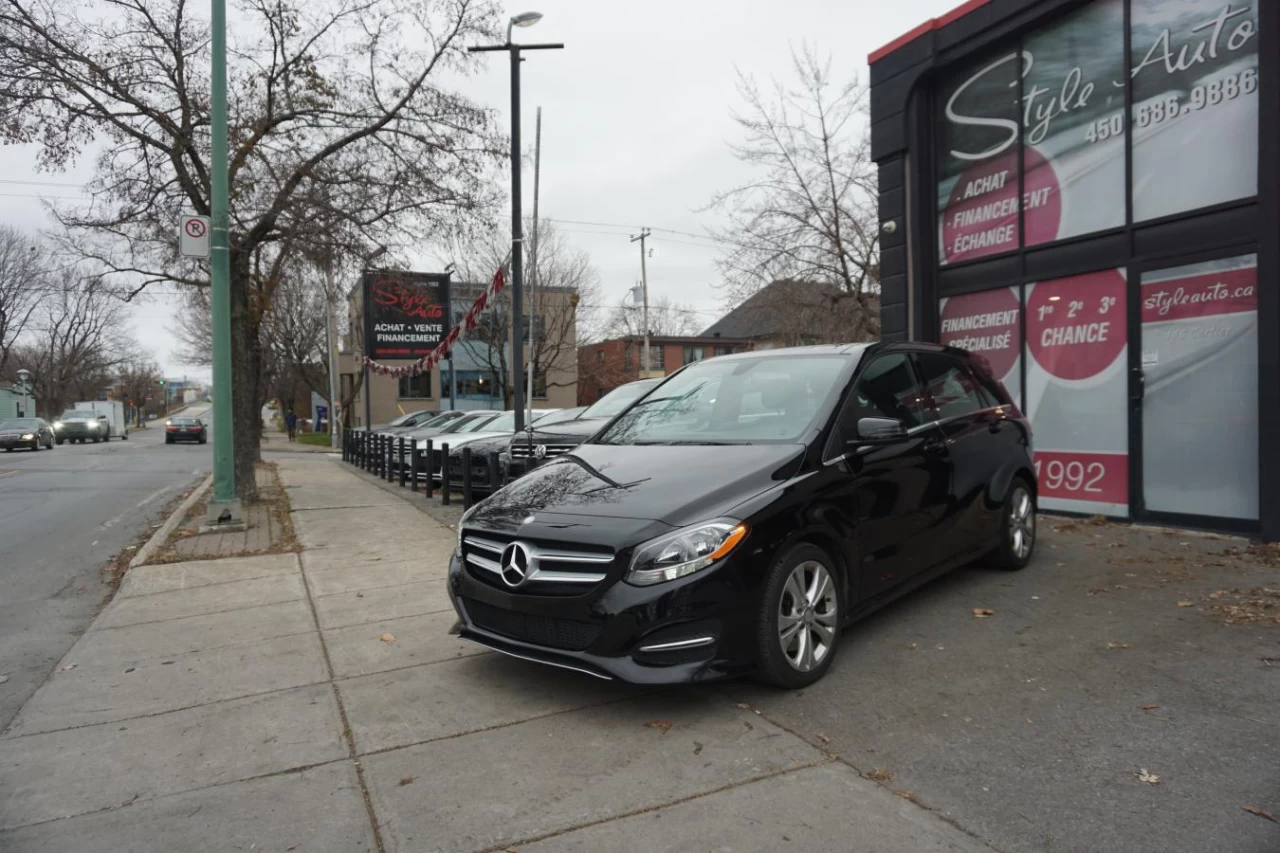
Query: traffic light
[160, 382]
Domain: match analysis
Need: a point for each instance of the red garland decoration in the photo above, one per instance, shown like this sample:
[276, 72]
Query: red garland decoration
[469, 323]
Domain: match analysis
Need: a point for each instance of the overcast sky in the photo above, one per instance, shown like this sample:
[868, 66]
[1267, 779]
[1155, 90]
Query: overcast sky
[636, 127]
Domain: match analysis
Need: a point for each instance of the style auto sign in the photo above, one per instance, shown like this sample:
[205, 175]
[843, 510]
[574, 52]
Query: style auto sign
[405, 313]
[1062, 110]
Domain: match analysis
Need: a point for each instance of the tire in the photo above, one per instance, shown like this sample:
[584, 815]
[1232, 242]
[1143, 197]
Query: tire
[805, 656]
[35, 446]
[60, 441]
[168, 440]
[125, 437]
[1017, 528]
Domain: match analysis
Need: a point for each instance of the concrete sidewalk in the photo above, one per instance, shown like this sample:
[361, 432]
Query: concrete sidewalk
[315, 702]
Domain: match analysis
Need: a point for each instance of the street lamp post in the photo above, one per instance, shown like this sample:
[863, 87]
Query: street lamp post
[24, 377]
[524, 19]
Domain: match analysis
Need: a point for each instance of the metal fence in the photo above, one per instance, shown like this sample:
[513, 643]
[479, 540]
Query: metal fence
[397, 459]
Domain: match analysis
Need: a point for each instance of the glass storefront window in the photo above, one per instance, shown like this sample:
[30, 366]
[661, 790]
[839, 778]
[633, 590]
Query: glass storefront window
[988, 324]
[978, 160]
[1077, 391]
[1195, 100]
[1200, 395]
[1073, 118]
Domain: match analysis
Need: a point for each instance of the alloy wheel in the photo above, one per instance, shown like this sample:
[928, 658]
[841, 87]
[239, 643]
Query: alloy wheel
[1022, 523]
[807, 614]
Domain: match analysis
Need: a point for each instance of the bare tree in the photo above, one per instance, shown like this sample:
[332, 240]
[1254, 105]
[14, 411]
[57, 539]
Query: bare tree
[666, 319]
[139, 378]
[75, 342]
[809, 213]
[340, 133]
[565, 294]
[22, 283]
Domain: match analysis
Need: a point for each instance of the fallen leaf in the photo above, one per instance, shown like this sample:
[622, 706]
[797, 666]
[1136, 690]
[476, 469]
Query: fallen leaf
[697, 747]
[664, 725]
[3, 679]
[69, 667]
[359, 595]
[1260, 813]
[983, 612]
[744, 706]
[1186, 604]
[1117, 645]
[388, 638]
[906, 795]
[1145, 775]
[823, 738]
[879, 774]
[1148, 707]
[407, 780]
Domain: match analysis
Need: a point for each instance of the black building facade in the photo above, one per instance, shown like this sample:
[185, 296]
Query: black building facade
[1087, 194]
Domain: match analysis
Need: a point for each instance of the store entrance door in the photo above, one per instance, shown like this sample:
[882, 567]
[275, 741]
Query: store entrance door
[1195, 392]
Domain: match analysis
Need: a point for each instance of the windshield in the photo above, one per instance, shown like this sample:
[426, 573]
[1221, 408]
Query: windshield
[560, 417]
[440, 419]
[481, 422]
[400, 421]
[738, 401]
[78, 413]
[19, 423]
[618, 399]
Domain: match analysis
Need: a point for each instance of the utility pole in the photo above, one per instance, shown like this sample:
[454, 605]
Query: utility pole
[224, 506]
[533, 261]
[644, 287]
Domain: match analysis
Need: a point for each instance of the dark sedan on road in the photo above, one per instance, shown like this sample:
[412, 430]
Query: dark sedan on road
[739, 516]
[32, 433]
[185, 429]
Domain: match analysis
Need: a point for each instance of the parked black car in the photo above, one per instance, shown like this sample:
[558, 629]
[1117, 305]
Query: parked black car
[529, 449]
[185, 429]
[739, 516]
[33, 433]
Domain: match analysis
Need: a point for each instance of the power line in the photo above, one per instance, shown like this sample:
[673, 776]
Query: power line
[40, 183]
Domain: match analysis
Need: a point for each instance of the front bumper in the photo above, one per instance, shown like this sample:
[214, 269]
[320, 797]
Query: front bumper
[77, 431]
[698, 628]
[17, 441]
[182, 435]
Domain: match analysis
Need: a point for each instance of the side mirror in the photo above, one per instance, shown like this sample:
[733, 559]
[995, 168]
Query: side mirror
[881, 430]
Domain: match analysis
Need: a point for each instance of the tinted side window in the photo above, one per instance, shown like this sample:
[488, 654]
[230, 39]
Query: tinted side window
[994, 387]
[886, 389]
[954, 390]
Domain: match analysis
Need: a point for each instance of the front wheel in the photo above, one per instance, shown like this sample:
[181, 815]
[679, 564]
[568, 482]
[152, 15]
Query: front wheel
[1017, 528]
[35, 446]
[60, 441]
[798, 625]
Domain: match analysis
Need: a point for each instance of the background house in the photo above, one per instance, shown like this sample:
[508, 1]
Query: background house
[789, 313]
[605, 365]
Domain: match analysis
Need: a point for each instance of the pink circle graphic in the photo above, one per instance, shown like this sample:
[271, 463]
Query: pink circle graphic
[1076, 326]
[986, 324]
[981, 217]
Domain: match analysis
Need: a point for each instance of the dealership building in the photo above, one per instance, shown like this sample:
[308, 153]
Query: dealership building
[1087, 194]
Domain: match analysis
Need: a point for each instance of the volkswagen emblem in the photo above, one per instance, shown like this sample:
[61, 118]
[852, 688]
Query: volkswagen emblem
[515, 564]
[540, 451]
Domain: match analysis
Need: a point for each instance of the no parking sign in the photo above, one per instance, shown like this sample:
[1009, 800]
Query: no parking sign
[193, 236]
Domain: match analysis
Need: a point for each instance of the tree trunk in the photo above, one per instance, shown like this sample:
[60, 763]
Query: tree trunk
[246, 379]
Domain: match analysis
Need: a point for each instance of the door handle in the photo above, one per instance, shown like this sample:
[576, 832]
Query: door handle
[1139, 387]
[934, 446]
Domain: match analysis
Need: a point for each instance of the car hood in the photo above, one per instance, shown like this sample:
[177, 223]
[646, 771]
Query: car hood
[676, 485]
[569, 432]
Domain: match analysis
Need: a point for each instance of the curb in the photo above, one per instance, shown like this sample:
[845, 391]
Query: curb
[157, 539]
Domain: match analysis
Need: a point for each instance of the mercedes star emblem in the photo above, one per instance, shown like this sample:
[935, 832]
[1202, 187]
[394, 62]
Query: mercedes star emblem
[540, 451]
[515, 564]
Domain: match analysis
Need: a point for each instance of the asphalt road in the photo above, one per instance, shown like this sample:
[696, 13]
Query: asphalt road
[64, 514]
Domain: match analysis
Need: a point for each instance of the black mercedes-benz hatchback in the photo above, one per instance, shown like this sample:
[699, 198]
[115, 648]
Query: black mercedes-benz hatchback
[739, 515]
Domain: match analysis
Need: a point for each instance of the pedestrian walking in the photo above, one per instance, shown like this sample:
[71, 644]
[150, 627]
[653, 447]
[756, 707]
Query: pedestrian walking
[291, 424]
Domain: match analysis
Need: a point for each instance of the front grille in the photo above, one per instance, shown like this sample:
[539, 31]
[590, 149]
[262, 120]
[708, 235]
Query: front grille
[522, 450]
[547, 631]
[555, 568]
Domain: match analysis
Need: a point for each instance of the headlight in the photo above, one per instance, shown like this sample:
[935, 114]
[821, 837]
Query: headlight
[168, 423]
[57, 425]
[93, 425]
[29, 436]
[458, 547]
[684, 552]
